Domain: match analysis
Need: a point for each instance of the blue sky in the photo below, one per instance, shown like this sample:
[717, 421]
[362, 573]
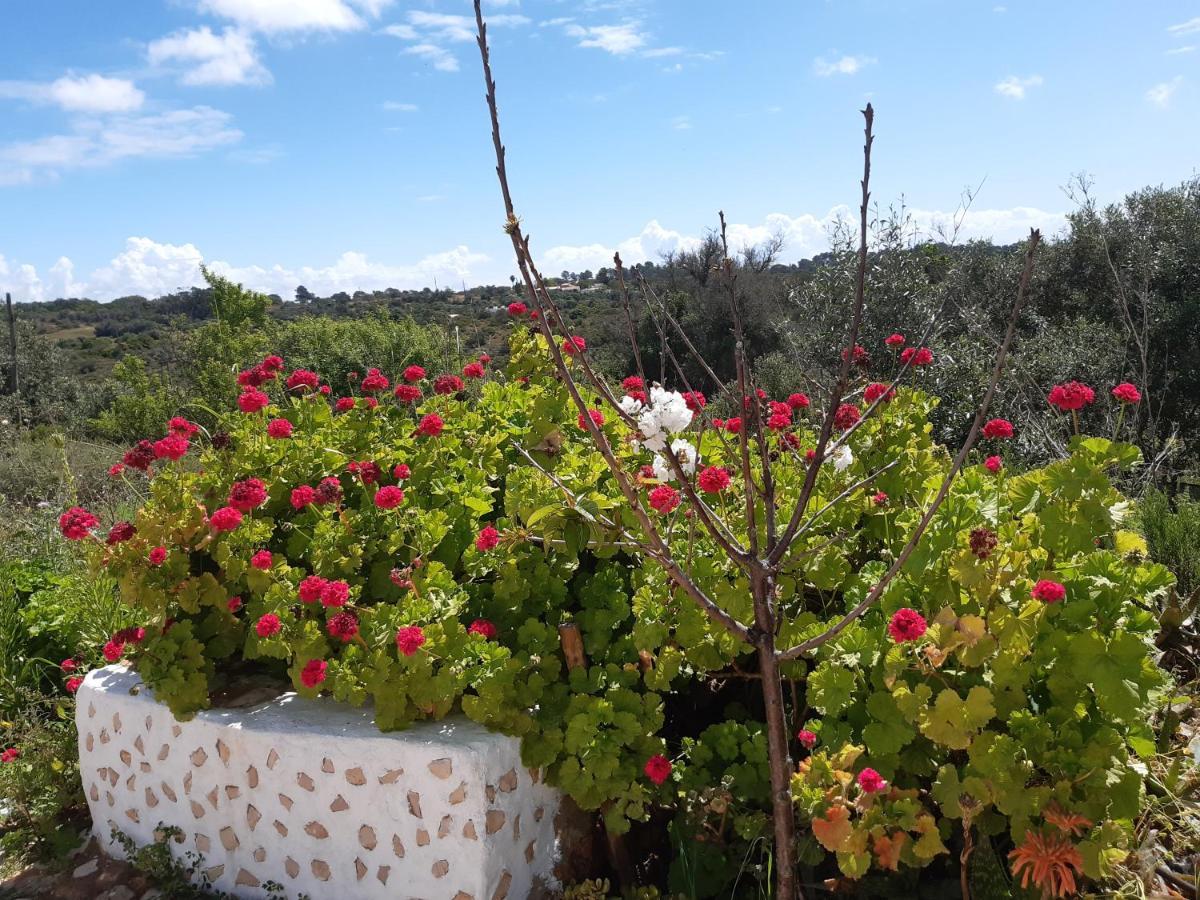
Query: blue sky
[343, 144]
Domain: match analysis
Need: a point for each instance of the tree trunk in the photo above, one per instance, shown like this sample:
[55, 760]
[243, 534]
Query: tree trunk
[779, 755]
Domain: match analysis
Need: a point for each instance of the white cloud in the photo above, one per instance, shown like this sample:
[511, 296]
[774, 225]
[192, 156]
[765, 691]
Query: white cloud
[393, 106]
[1191, 26]
[658, 52]
[430, 31]
[228, 58]
[681, 123]
[1015, 87]
[846, 65]
[78, 93]
[803, 236]
[1160, 95]
[95, 143]
[150, 268]
[618, 40]
[439, 57]
[1177, 50]
[276, 16]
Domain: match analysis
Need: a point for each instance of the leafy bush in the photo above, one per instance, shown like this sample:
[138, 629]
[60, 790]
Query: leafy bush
[1172, 531]
[431, 556]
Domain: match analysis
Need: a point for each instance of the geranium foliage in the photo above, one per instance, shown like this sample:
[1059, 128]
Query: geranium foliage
[422, 552]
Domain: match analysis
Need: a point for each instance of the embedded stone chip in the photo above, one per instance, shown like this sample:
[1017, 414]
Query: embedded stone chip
[320, 869]
[366, 837]
[508, 781]
[442, 768]
[414, 804]
[494, 820]
[317, 830]
[355, 776]
[440, 868]
[339, 804]
[229, 838]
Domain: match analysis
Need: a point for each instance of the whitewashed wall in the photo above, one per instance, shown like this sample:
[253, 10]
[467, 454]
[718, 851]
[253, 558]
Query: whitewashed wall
[311, 795]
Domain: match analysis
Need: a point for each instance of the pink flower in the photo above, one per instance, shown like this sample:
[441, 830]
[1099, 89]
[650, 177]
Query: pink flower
[664, 499]
[68, 665]
[1127, 393]
[343, 626]
[447, 384]
[695, 401]
[875, 390]
[845, 417]
[807, 739]
[798, 400]
[262, 560]
[1049, 591]
[335, 593]
[182, 427]
[389, 497]
[410, 639]
[1071, 396]
[401, 472]
[272, 363]
[157, 556]
[413, 374]
[894, 340]
[999, 429]
[116, 469]
[267, 625]
[10, 755]
[880, 498]
[72, 684]
[573, 345]
[517, 309]
[120, 533]
[233, 604]
[279, 428]
[76, 523]
[473, 370]
[313, 672]
[993, 464]
[657, 768]
[713, 480]
[488, 539]
[302, 496]
[311, 588]
[633, 383]
[344, 404]
[907, 625]
[226, 518]
[408, 393]
[920, 356]
[734, 425]
[252, 400]
[302, 378]
[113, 650]
[871, 781]
[247, 495]
[482, 627]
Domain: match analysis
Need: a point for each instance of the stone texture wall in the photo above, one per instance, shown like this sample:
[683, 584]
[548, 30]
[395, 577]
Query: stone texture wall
[311, 795]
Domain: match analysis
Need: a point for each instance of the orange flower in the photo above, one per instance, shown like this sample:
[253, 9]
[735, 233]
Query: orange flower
[1049, 862]
[1066, 822]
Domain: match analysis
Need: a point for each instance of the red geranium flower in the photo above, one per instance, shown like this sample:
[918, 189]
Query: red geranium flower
[664, 499]
[173, 446]
[302, 496]
[279, 428]
[860, 357]
[920, 356]
[262, 560]
[344, 404]
[447, 384]
[139, 456]
[517, 309]
[798, 400]
[430, 425]
[473, 370]
[633, 383]
[875, 390]
[302, 378]
[483, 627]
[157, 556]
[1049, 591]
[247, 495]
[116, 469]
[252, 400]
[488, 539]
[695, 401]
[413, 374]
[226, 518]
[233, 604]
[734, 425]
[1071, 396]
[408, 393]
[389, 497]
[658, 768]
[73, 683]
[993, 464]
[113, 650]
[311, 588]
[267, 625]
[880, 498]
[871, 781]
[907, 625]
[313, 672]
[273, 363]
[68, 665]
[1127, 393]
[335, 593]
[807, 739]
[343, 626]
[409, 639]
[845, 417]
[328, 491]
[182, 427]
[401, 472]
[998, 429]
[573, 345]
[713, 480]
[254, 376]
[894, 340]
[375, 382]
[10, 755]
[595, 415]
[120, 532]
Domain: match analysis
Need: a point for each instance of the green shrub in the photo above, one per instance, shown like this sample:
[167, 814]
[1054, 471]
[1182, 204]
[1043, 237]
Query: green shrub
[1172, 532]
[1009, 713]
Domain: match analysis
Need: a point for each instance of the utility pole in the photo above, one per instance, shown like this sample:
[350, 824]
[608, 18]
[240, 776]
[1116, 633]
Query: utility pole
[13, 384]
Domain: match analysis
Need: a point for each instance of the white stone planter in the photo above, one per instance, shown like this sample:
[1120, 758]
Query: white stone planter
[311, 795]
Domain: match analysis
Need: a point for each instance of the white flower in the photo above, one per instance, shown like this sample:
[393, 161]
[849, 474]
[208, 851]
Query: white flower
[666, 414]
[684, 452]
[631, 406]
[842, 458]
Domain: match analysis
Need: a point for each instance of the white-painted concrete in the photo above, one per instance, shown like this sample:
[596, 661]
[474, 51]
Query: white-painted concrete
[311, 795]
